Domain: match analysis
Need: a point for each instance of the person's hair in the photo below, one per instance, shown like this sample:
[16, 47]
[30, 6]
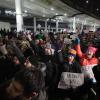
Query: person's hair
[31, 79]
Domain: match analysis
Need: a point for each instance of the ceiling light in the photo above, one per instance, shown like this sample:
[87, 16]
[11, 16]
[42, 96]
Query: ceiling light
[25, 11]
[43, 15]
[65, 14]
[52, 9]
[97, 9]
[87, 1]
[56, 13]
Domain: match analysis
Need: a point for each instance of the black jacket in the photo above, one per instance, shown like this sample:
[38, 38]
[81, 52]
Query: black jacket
[74, 67]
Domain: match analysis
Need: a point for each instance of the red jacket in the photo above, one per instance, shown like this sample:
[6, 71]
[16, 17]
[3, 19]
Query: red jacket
[84, 61]
[87, 64]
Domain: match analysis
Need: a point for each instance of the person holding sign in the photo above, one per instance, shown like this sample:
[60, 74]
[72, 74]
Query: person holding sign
[71, 76]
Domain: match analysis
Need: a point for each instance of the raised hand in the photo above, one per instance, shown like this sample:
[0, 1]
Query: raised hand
[77, 41]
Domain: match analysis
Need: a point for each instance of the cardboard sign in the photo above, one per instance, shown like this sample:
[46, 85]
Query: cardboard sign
[71, 80]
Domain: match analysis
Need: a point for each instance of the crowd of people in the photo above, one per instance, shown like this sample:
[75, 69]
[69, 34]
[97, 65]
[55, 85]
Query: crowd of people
[48, 66]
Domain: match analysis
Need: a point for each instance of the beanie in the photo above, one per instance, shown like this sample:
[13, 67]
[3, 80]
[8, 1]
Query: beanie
[92, 49]
[72, 52]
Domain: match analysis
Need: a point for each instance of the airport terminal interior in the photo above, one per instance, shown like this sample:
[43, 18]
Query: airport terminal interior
[49, 50]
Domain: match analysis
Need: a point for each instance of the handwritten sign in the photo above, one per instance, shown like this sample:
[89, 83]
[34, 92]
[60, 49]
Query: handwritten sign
[71, 80]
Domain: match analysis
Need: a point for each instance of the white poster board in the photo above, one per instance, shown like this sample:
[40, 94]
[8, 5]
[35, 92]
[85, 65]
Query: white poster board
[71, 80]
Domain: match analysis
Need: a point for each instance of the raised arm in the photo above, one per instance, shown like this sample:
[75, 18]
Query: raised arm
[78, 48]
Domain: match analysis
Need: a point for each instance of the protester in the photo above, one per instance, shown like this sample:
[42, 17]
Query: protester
[52, 54]
[69, 80]
[87, 61]
[25, 85]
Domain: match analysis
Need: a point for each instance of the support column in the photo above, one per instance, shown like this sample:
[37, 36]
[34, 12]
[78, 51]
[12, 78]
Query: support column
[46, 25]
[34, 24]
[83, 23]
[57, 23]
[82, 26]
[19, 16]
[74, 25]
[94, 27]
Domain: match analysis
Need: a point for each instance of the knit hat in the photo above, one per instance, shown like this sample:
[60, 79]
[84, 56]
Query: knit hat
[72, 52]
[92, 49]
[39, 36]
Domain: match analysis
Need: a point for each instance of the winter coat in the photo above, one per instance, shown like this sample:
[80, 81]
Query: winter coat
[86, 64]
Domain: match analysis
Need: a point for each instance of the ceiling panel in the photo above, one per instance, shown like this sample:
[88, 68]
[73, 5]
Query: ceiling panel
[43, 8]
